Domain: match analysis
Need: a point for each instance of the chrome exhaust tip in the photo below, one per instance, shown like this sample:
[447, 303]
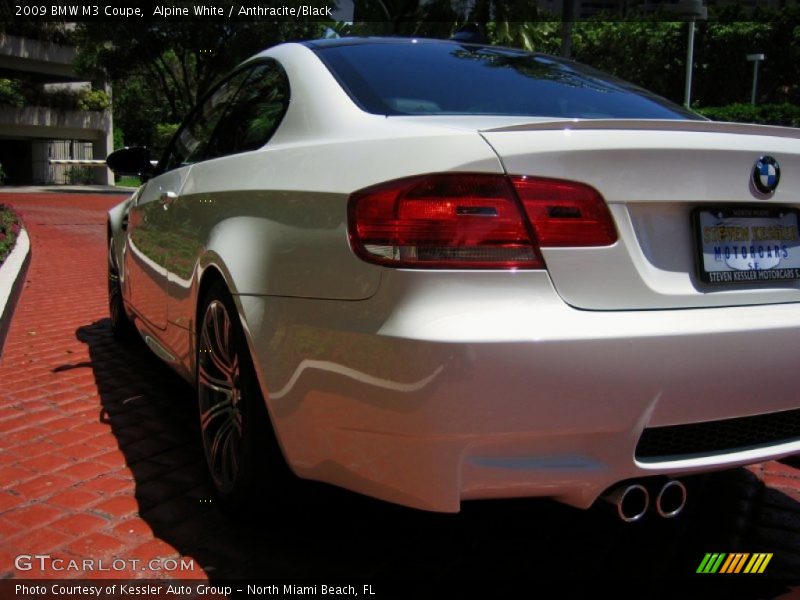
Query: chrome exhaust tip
[671, 500]
[631, 501]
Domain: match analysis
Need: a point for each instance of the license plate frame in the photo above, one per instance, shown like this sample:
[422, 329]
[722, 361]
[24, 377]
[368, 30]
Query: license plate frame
[743, 243]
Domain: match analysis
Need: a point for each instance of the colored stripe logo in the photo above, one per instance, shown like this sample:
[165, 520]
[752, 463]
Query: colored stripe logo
[735, 562]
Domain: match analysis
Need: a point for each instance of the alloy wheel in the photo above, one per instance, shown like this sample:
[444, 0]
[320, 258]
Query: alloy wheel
[220, 396]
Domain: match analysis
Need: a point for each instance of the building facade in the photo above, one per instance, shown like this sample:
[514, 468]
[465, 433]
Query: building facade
[32, 134]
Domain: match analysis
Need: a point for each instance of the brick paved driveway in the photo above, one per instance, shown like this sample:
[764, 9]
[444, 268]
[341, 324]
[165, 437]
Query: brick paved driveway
[99, 459]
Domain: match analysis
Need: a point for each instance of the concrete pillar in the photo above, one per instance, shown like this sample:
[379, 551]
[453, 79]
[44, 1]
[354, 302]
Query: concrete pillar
[103, 145]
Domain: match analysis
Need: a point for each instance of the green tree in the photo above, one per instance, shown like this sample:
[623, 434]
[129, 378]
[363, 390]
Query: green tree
[648, 52]
[159, 69]
[724, 76]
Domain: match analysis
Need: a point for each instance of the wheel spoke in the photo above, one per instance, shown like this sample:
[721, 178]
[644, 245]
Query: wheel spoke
[220, 436]
[226, 455]
[221, 386]
[209, 343]
[221, 408]
[226, 335]
[212, 355]
[221, 326]
[235, 365]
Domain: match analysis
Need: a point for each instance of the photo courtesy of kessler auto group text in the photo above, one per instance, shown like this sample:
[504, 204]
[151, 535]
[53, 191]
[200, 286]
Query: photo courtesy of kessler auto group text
[305, 298]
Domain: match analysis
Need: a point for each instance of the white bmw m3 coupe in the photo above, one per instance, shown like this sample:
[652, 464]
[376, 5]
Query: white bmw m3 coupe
[452, 271]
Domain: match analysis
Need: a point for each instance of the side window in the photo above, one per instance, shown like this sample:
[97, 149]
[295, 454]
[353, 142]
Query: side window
[254, 114]
[191, 144]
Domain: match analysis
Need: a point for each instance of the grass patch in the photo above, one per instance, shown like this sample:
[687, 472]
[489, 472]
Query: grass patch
[128, 182]
[9, 230]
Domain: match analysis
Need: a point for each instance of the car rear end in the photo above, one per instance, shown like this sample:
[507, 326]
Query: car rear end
[619, 303]
[614, 358]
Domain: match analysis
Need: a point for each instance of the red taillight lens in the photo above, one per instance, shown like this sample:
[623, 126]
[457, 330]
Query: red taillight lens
[565, 213]
[474, 221]
[451, 220]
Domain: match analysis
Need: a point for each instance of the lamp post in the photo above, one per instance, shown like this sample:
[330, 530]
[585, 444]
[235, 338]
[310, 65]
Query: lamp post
[567, 18]
[756, 60]
[687, 89]
[691, 10]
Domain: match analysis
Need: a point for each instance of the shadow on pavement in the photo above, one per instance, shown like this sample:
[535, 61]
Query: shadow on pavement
[330, 533]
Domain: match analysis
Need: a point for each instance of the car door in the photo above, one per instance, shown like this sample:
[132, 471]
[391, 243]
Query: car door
[151, 236]
[148, 241]
[248, 123]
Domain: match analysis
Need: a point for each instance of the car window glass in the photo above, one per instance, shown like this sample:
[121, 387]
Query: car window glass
[194, 136]
[254, 114]
[434, 78]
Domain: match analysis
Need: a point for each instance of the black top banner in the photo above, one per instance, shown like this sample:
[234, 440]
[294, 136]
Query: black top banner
[221, 10]
[382, 10]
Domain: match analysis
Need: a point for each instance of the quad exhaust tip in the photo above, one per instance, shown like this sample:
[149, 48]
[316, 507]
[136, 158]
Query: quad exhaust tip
[671, 500]
[632, 500]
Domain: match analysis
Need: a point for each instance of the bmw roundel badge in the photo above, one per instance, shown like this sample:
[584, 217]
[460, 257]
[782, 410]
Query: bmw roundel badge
[766, 174]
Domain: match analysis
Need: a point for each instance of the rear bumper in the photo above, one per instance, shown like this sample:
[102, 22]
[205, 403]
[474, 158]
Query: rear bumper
[451, 386]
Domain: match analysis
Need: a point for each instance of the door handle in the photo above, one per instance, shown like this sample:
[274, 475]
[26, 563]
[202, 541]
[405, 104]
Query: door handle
[167, 198]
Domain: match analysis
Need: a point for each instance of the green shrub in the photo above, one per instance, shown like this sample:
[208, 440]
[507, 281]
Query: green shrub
[164, 133]
[10, 93]
[10, 227]
[2, 174]
[77, 175]
[765, 114]
[15, 93]
[119, 138]
[93, 100]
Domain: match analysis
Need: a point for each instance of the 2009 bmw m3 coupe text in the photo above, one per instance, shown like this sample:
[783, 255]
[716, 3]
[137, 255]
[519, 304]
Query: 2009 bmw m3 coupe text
[453, 271]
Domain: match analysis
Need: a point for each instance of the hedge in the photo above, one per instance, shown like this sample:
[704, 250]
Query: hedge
[766, 114]
[9, 230]
[15, 93]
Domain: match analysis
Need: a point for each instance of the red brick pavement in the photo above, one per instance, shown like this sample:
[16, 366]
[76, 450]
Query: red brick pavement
[99, 459]
[75, 414]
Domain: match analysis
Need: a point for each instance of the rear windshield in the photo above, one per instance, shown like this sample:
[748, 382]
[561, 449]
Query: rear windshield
[435, 78]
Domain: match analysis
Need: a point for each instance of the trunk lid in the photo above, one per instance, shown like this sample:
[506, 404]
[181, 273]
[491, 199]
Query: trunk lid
[653, 175]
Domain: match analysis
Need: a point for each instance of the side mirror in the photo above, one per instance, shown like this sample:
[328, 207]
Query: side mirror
[130, 161]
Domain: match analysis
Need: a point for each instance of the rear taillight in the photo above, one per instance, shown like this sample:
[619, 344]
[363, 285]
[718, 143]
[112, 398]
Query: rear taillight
[565, 213]
[472, 221]
[467, 221]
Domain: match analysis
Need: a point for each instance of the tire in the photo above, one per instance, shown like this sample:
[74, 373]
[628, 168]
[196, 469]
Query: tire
[242, 456]
[121, 326]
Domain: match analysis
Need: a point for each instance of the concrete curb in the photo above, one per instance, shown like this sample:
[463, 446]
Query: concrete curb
[12, 278]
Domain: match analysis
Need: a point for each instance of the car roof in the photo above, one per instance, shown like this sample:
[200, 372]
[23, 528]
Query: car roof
[366, 41]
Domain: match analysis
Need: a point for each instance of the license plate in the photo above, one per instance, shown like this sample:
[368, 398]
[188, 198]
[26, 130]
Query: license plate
[747, 244]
